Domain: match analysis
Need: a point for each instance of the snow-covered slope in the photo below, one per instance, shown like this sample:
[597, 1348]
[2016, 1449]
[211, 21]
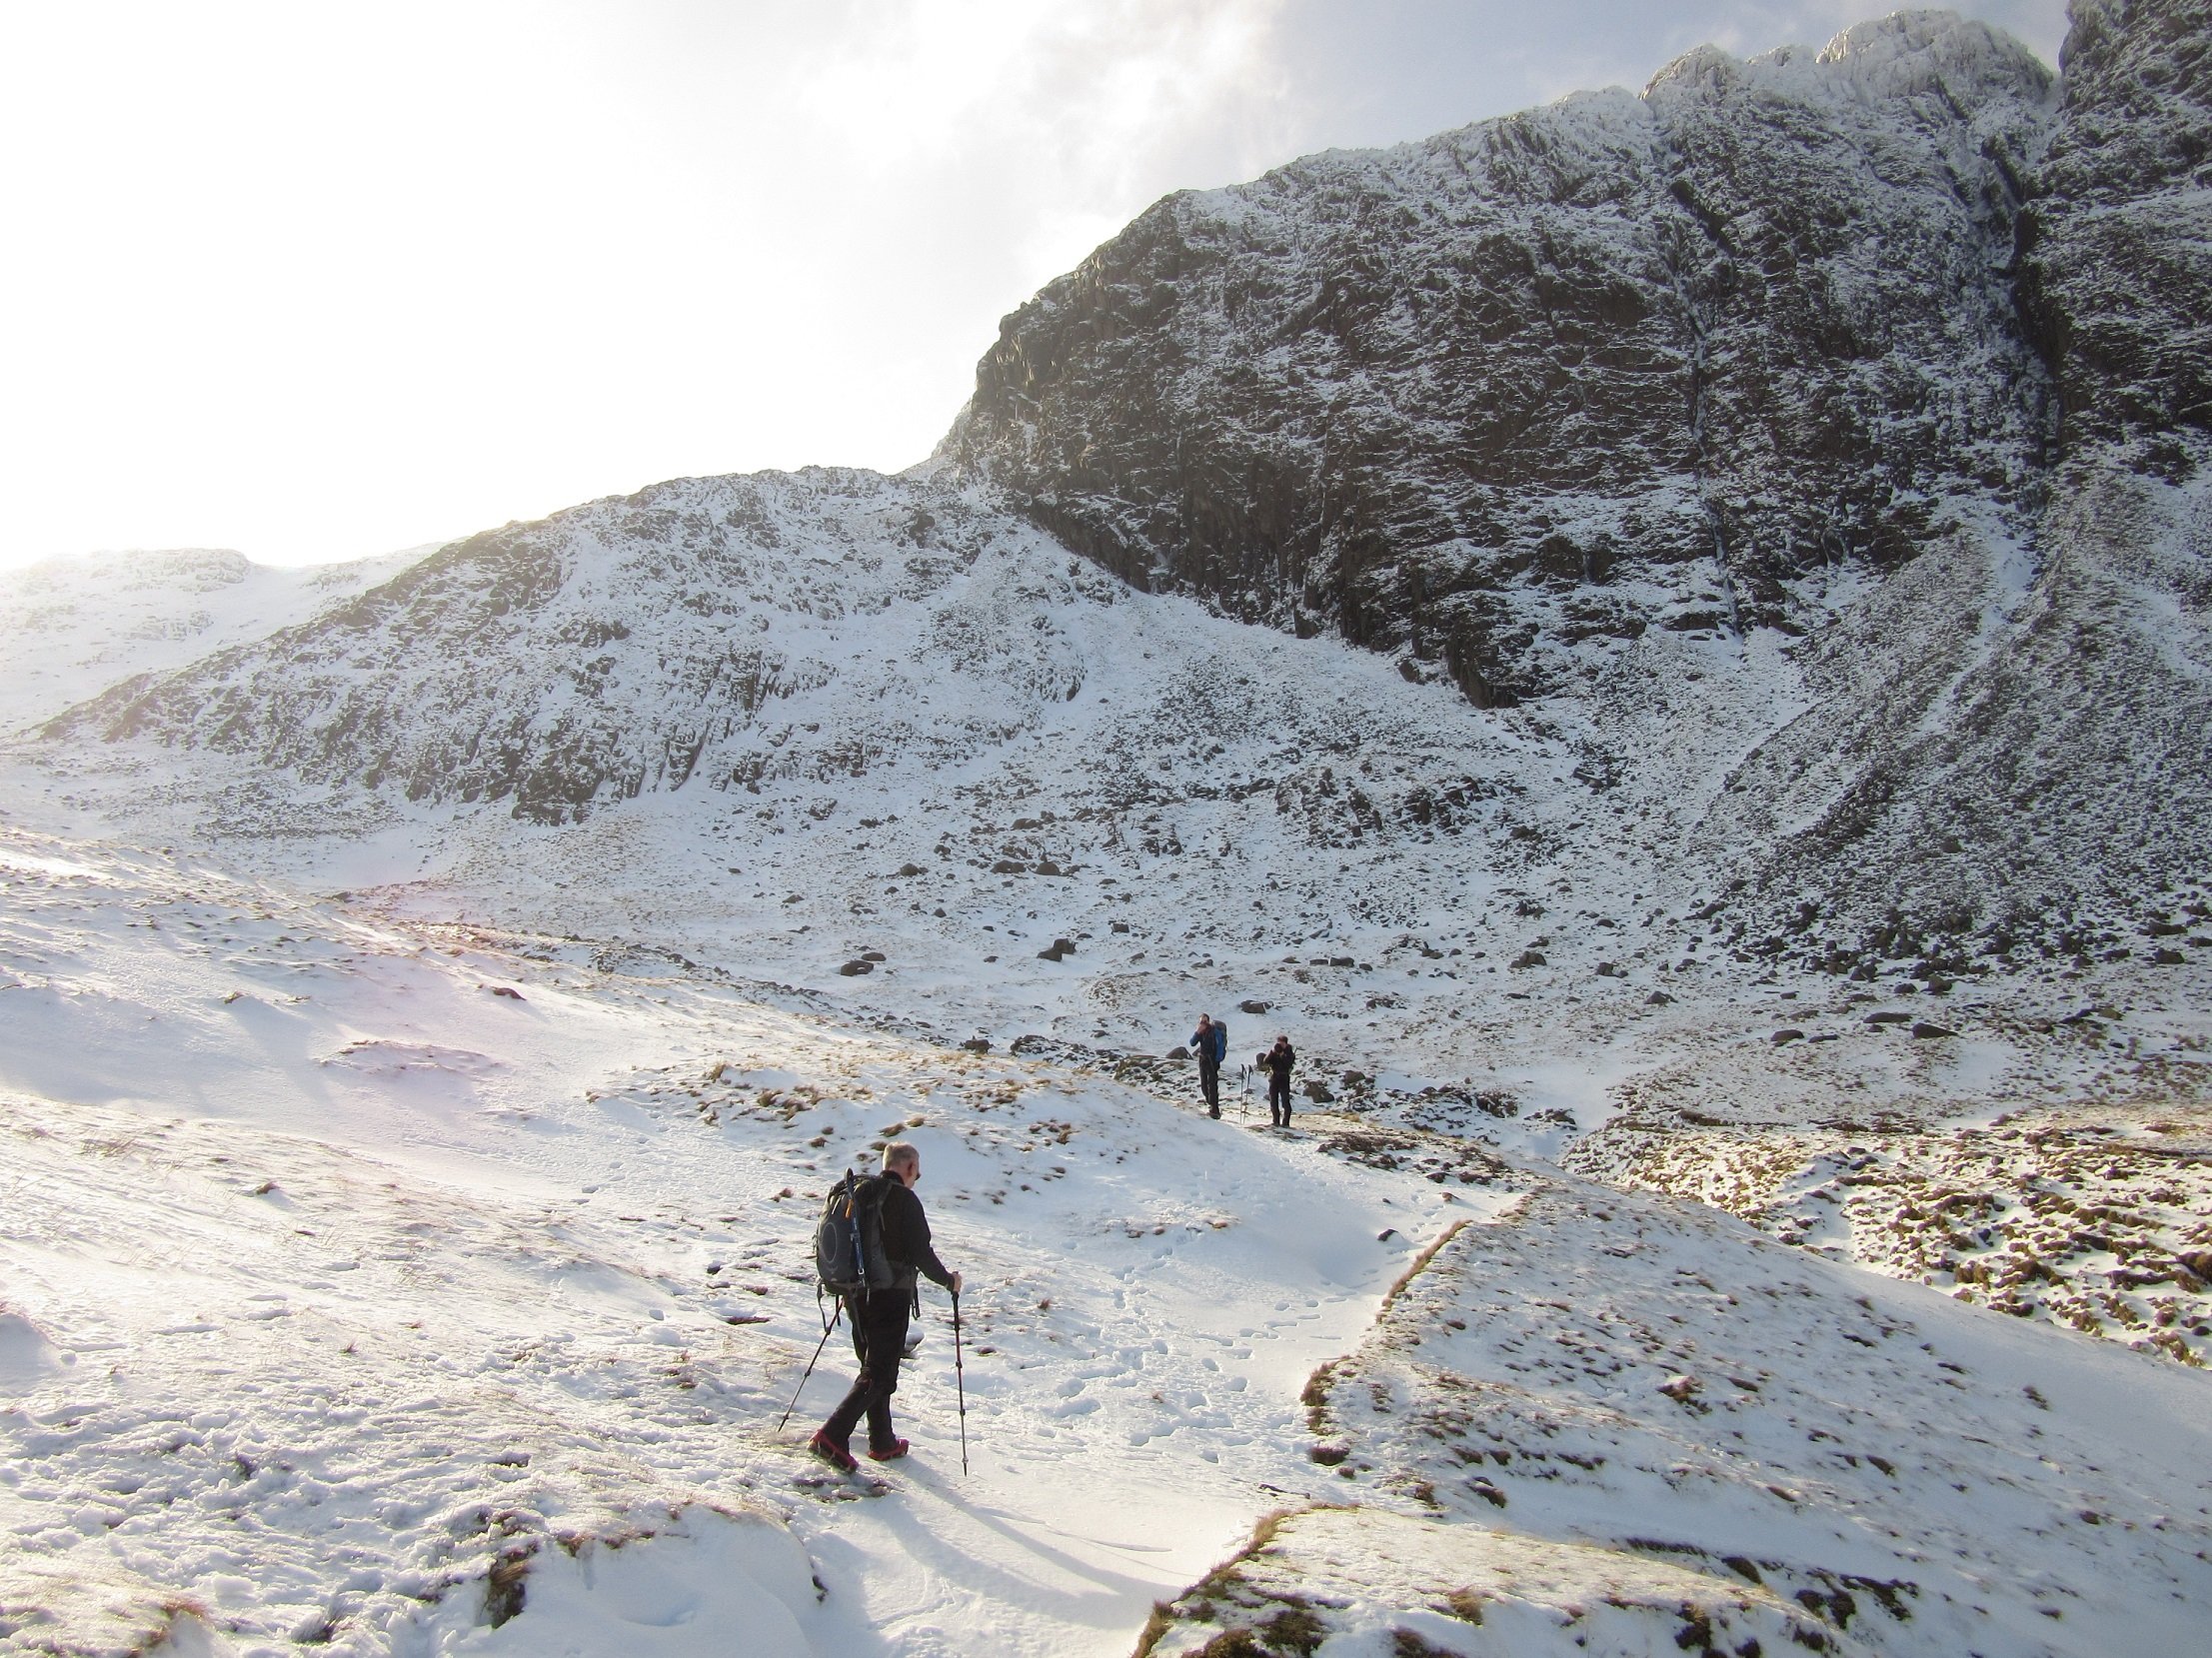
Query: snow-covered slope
[1605, 1425]
[374, 1286]
[349, 1260]
[70, 627]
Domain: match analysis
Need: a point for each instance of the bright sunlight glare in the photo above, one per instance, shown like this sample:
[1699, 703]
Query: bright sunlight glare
[322, 281]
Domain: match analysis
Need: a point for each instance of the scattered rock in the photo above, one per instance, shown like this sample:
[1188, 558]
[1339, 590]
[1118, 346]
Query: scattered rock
[1889, 1019]
[978, 1044]
[1924, 1028]
[1056, 950]
[1659, 998]
[1253, 1006]
[853, 968]
[1781, 1037]
[1528, 958]
[507, 990]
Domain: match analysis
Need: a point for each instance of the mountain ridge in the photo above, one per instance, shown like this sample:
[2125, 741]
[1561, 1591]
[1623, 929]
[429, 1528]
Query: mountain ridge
[1765, 509]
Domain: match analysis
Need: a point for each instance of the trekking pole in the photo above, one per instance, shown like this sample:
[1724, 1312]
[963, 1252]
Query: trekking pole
[811, 1363]
[960, 1378]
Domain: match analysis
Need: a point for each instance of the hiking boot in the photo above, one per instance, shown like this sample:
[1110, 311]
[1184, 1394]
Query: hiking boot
[835, 1454]
[890, 1453]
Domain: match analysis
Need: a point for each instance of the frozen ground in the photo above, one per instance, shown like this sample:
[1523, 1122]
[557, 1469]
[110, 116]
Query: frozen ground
[406, 1239]
[336, 1276]
[1604, 1423]
[373, 1285]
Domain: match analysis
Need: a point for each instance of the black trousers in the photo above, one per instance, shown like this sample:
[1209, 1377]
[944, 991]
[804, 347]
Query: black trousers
[1209, 1083]
[1279, 1099]
[879, 1342]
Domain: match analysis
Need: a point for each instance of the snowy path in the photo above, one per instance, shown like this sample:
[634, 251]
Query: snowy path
[336, 1275]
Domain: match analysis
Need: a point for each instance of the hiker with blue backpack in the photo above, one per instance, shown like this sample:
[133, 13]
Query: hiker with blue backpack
[890, 1251]
[1210, 1043]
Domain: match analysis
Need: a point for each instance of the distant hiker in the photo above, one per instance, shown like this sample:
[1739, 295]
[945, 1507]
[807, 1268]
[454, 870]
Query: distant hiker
[1276, 1063]
[880, 1316]
[1210, 1043]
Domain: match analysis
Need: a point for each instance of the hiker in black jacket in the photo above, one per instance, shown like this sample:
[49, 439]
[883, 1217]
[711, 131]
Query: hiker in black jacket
[1210, 1043]
[1276, 1063]
[880, 1318]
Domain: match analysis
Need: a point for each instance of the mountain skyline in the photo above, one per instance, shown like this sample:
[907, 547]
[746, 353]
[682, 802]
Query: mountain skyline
[424, 311]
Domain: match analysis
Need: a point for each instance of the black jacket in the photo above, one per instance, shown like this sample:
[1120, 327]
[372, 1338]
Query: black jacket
[906, 1237]
[1279, 1060]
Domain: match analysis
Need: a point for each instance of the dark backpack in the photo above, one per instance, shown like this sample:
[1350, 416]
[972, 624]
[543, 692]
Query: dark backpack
[849, 1239]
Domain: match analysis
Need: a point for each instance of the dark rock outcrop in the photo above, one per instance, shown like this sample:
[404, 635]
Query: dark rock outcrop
[2116, 280]
[1548, 381]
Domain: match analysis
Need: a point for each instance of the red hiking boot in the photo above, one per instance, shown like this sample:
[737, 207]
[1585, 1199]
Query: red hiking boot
[835, 1454]
[890, 1453]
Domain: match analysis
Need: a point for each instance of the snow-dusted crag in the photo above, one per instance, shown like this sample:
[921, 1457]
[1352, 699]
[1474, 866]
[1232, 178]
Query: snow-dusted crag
[1548, 381]
[2115, 276]
[1522, 404]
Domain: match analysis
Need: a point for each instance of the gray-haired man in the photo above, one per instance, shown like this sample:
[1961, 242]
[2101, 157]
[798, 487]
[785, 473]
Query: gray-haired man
[880, 1318]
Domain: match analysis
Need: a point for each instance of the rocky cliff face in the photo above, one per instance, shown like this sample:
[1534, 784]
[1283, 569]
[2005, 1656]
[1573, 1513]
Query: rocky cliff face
[1509, 396]
[1897, 352]
[2116, 278]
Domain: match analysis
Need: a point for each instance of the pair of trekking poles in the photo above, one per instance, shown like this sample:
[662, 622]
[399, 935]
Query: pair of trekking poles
[959, 1374]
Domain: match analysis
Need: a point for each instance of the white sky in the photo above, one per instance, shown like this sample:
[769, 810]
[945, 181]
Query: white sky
[318, 280]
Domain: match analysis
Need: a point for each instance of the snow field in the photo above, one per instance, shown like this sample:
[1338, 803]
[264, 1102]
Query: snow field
[1612, 1423]
[348, 1300]
[70, 627]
